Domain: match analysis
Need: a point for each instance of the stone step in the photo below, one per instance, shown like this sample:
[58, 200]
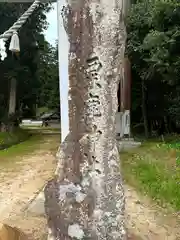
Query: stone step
[127, 145]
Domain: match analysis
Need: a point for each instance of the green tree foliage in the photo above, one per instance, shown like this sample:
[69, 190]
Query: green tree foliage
[49, 77]
[153, 47]
[33, 64]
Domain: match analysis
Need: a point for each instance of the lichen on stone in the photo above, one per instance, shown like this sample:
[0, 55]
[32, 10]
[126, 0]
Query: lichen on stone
[75, 231]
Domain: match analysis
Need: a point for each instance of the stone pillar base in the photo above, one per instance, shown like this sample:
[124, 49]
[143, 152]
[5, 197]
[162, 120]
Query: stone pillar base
[36, 207]
[126, 144]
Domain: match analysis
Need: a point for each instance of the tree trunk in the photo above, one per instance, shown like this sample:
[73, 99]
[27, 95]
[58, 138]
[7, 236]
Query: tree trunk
[85, 200]
[12, 97]
[144, 109]
[12, 105]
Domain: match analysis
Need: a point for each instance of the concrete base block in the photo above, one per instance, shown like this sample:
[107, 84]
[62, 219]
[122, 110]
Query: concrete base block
[127, 144]
[36, 207]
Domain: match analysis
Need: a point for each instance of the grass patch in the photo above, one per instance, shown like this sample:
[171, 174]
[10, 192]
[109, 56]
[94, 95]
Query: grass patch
[14, 158]
[23, 148]
[154, 169]
[8, 139]
[37, 141]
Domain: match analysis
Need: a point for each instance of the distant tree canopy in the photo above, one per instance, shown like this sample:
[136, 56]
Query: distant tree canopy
[36, 69]
[153, 47]
[48, 74]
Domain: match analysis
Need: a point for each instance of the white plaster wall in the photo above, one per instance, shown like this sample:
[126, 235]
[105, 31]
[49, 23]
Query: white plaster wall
[123, 123]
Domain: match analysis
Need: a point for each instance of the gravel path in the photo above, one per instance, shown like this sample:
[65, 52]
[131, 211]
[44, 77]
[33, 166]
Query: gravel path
[148, 221]
[19, 185]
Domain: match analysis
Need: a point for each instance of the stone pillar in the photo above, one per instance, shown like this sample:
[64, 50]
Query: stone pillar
[85, 199]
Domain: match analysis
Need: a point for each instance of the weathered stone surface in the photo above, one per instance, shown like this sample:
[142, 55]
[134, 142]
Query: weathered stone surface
[86, 199]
